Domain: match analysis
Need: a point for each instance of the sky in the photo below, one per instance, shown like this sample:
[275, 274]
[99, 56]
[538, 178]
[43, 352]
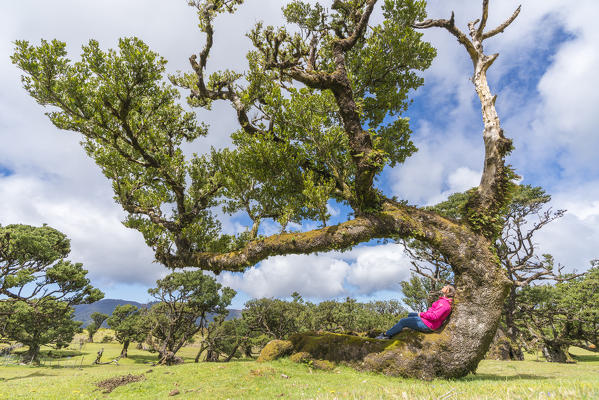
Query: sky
[545, 79]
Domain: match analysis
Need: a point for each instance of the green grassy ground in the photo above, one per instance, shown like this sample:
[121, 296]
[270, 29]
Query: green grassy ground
[73, 377]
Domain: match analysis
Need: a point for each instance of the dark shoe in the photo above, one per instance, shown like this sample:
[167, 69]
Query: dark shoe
[382, 336]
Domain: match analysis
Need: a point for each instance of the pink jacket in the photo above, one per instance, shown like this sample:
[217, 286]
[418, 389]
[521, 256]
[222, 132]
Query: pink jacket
[439, 311]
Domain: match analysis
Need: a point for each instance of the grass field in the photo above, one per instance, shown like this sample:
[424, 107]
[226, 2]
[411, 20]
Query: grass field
[73, 377]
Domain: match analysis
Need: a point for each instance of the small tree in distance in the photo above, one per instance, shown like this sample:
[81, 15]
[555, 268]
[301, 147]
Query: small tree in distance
[127, 323]
[185, 300]
[97, 321]
[558, 316]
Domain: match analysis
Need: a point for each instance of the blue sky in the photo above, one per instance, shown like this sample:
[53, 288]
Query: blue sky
[545, 79]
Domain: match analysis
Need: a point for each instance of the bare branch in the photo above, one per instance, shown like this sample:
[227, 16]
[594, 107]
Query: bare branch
[454, 30]
[483, 19]
[502, 27]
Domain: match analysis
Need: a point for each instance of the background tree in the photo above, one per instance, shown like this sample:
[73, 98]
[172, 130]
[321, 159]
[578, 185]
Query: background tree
[561, 315]
[420, 291]
[297, 147]
[126, 322]
[278, 319]
[40, 287]
[185, 300]
[275, 318]
[26, 254]
[224, 339]
[34, 324]
[97, 321]
[350, 316]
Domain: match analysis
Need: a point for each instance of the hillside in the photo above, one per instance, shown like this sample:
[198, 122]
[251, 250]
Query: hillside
[83, 312]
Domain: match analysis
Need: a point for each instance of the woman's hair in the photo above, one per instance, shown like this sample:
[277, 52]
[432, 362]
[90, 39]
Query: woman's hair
[451, 291]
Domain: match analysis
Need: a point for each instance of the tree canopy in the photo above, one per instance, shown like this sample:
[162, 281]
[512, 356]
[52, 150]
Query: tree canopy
[185, 301]
[320, 111]
[38, 287]
[298, 147]
[127, 323]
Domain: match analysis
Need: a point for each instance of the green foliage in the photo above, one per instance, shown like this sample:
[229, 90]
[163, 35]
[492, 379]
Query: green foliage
[184, 301]
[132, 127]
[564, 314]
[226, 338]
[32, 266]
[383, 67]
[278, 319]
[42, 322]
[97, 321]
[38, 287]
[285, 165]
[420, 292]
[127, 323]
[275, 318]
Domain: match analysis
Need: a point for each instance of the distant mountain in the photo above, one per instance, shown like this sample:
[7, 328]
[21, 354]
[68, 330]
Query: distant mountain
[83, 312]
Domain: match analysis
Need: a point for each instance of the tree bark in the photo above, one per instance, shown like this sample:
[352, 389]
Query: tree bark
[457, 350]
[124, 350]
[167, 357]
[32, 355]
[557, 352]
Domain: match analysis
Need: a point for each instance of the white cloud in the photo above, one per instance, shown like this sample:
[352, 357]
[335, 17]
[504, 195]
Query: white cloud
[573, 239]
[462, 179]
[98, 239]
[437, 169]
[311, 275]
[553, 126]
[378, 268]
[364, 270]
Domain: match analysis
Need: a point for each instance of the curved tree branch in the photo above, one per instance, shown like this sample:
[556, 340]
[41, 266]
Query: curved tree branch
[502, 27]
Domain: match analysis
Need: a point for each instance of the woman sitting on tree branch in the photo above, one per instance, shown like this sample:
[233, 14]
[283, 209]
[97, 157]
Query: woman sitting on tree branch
[427, 321]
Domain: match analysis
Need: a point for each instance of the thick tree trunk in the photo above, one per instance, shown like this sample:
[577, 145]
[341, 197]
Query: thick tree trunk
[457, 349]
[32, 355]
[211, 355]
[557, 352]
[124, 350]
[511, 331]
[199, 354]
[167, 357]
[504, 347]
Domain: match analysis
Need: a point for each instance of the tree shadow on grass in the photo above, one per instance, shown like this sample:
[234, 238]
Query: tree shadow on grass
[143, 358]
[31, 375]
[587, 358]
[493, 377]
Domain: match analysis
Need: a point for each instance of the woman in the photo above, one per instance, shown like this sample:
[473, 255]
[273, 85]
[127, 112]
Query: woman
[427, 321]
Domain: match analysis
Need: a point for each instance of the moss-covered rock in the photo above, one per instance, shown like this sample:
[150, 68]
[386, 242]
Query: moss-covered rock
[324, 365]
[275, 349]
[301, 357]
[336, 347]
[391, 357]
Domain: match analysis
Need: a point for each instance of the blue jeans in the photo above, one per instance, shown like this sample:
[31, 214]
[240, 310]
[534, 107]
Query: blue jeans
[412, 321]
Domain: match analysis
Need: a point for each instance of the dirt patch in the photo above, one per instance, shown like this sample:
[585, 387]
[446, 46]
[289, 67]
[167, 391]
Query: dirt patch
[263, 371]
[109, 385]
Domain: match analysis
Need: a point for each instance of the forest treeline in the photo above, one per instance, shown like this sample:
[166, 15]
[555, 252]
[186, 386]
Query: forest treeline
[40, 287]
